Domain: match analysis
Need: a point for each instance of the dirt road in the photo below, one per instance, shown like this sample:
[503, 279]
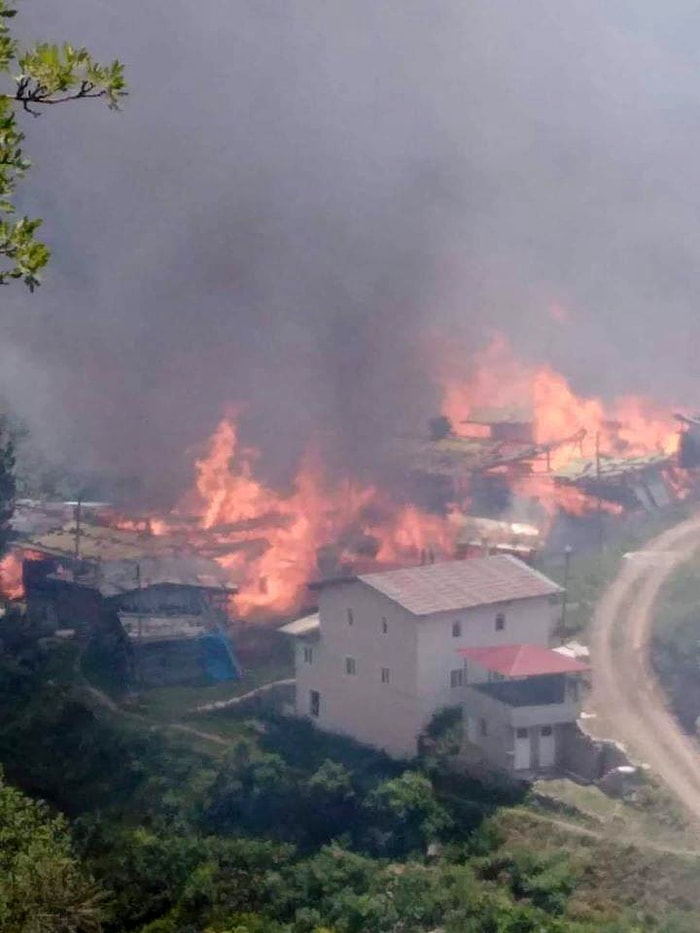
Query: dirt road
[626, 692]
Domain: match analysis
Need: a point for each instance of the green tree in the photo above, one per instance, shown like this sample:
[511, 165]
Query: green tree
[43, 888]
[41, 76]
[408, 812]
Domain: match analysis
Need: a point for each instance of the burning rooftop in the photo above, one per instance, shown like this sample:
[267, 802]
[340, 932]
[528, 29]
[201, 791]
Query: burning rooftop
[513, 447]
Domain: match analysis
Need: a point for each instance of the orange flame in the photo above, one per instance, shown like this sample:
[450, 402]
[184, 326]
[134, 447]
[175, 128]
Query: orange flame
[629, 426]
[11, 582]
[295, 525]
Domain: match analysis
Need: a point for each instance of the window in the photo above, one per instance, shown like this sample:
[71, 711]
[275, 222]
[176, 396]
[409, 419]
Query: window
[314, 702]
[385, 675]
[521, 733]
[546, 730]
[456, 629]
[457, 677]
[351, 618]
[500, 622]
[385, 625]
[308, 654]
[350, 666]
[483, 727]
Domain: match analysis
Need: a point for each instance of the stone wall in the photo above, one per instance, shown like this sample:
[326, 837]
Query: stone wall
[587, 758]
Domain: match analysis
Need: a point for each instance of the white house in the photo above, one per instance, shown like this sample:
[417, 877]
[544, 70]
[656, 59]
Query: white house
[381, 656]
[521, 703]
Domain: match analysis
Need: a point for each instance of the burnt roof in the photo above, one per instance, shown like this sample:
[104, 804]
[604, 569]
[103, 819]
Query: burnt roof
[461, 584]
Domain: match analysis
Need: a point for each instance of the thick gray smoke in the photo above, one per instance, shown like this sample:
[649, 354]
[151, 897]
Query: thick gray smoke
[298, 195]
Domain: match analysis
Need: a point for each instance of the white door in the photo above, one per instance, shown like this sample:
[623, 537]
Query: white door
[523, 755]
[547, 749]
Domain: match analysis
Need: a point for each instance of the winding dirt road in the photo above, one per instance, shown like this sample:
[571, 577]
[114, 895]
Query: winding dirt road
[626, 693]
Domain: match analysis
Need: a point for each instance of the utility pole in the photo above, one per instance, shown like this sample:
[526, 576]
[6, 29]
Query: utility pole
[600, 501]
[78, 517]
[568, 551]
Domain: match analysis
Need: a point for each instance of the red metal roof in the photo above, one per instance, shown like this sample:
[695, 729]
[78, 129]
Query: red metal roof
[522, 660]
[461, 584]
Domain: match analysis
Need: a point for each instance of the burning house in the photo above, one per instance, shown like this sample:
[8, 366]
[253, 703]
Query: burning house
[171, 611]
[689, 447]
[628, 482]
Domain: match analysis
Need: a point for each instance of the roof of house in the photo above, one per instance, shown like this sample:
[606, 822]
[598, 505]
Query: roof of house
[461, 584]
[113, 578]
[158, 628]
[307, 625]
[522, 660]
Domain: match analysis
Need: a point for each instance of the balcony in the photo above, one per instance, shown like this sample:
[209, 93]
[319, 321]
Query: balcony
[524, 702]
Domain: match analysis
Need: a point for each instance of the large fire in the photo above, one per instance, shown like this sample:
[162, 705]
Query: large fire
[630, 425]
[270, 540]
[292, 526]
[574, 425]
[273, 541]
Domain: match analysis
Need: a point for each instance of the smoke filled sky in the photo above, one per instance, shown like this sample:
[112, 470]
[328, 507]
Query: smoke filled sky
[300, 197]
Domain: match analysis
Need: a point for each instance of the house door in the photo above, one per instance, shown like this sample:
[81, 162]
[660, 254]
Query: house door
[547, 749]
[523, 752]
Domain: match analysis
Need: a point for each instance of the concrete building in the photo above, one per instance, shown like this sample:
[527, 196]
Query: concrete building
[381, 655]
[520, 704]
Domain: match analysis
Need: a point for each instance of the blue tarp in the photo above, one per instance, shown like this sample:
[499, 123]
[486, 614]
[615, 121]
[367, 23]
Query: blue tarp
[218, 657]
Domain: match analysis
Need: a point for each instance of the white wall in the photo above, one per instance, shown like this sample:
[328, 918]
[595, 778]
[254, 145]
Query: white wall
[418, 652]
[384, 715]
[527, 621]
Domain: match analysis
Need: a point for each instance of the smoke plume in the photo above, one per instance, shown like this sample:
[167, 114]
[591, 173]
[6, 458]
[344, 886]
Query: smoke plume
[299, 198]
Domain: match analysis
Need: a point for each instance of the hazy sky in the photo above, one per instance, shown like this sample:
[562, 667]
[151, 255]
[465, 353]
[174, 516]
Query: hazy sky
[297, 193]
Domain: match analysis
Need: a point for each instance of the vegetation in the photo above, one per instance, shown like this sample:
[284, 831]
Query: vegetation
[41, 76]
[287, 830]
[43, 887]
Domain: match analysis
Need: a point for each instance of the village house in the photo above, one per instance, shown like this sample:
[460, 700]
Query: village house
[382, 655]
[520, 707]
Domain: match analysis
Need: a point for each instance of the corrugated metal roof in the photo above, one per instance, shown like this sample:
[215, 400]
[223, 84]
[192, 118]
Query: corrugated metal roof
[112, 578]
[305, 626]
[586, 468]
[522, 660]
[461, 584]
[98, 543]
[153, 628]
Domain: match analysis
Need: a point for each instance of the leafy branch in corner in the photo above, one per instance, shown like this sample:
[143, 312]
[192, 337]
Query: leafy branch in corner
[42, 75]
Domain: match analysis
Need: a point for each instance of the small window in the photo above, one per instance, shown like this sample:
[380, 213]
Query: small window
[314, 702]
[457, 677]
[546, 730]
[385, 675]
[351, 618]
[308, 655]
[385, 625]
[456, 629]
[483, 727]
[521, 733]
[500, 622]
[350, 666]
